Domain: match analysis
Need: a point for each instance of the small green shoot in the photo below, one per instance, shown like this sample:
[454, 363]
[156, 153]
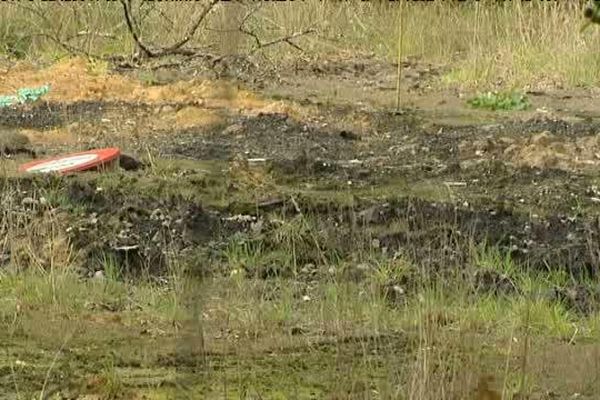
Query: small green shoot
[507, 101]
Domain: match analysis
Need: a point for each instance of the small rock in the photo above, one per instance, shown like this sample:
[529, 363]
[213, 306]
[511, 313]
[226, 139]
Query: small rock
[542, 139]
[308, 269]
[297, 330]
[510, 149]
[398, 289]
[99, 275]
[256, 227]
[490, 281]
[167, 109]
[363, 267]
[29, 201]
[233, 129]
[349, 135]
[394, 293]
[13, 142]
[129, 163]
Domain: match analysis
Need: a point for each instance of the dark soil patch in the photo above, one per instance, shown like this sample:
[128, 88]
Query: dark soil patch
[140, 231]
[530, 213]
[441, 236]
[271, 136]
[46, 115]
[444, 229]
[141, 234]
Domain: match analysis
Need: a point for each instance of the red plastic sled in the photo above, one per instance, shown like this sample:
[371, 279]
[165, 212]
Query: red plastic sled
[75, 162]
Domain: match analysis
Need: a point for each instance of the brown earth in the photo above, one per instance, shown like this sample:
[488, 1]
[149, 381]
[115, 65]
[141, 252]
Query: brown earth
[322, 141]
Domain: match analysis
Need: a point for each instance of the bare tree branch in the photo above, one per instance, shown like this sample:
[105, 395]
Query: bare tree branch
[131, 25]
[136, 15]
[55, 35]
[285, 39]
[71, 49]
[259, 44]
[176, 48]
[193, 28]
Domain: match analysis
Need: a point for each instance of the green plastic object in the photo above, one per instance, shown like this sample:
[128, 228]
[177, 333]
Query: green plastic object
[24, 95]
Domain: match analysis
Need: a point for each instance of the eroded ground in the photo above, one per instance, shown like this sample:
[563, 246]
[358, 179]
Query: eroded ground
[281, 200]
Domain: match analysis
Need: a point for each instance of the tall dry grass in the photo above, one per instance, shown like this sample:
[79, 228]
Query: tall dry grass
[529, 43]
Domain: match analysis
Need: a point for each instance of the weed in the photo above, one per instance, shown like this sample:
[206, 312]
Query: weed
[112, 384]
[507, 101]
[97, 67]
[148, 78]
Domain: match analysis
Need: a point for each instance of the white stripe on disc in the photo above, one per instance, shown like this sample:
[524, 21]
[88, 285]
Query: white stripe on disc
[63, 163]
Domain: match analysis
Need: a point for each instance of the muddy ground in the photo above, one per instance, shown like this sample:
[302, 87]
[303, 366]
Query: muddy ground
[324, 142]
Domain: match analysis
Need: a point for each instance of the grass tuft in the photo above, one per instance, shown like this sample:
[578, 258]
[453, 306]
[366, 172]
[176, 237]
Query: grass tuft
[505, 101]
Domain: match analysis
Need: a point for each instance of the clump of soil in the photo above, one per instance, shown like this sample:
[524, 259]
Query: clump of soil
[543, 150]
[549, 151]
[12, 142]
[140, 232]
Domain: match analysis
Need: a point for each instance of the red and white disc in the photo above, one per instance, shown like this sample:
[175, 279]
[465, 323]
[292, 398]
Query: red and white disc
[73, 162]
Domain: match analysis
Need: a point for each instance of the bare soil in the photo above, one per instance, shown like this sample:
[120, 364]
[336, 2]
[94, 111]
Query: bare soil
[322, 140]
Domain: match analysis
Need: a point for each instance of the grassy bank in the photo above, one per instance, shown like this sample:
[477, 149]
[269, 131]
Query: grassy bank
[263, 322]
[282, 338]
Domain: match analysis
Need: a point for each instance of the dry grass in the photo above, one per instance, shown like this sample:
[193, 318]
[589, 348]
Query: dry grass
[534, 44]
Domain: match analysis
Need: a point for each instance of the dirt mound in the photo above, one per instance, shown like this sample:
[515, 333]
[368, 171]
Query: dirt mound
[440, 235]
[548, 151]
[137, 234]
[77, 80]
[542, 150]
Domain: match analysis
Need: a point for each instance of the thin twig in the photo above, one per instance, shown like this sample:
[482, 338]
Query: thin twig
[286, 39]
[131, 23]
[42, 396]
[54, 36]
[193, 28]
[176, 48]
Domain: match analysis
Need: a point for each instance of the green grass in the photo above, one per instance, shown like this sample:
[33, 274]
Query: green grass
[495, 101]
[279, 337]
